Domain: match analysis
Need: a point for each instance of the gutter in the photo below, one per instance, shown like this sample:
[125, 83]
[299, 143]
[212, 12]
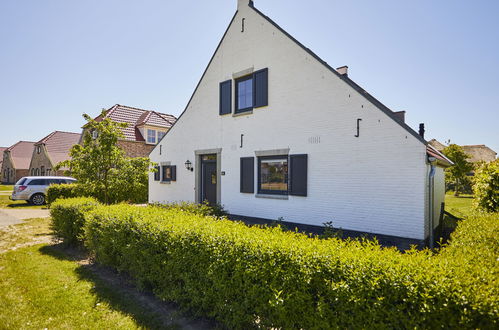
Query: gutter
[431, 186]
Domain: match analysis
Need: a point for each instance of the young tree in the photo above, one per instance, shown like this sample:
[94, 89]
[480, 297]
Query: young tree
[101, 166]
[486, 188]
[457, 173]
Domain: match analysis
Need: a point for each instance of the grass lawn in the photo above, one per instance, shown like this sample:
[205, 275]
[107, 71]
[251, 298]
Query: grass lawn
[6, 187]
[5, 202]
[47, 286]
[458, 206]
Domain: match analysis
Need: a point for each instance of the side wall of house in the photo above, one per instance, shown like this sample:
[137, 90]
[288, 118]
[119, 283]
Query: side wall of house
[371, 183]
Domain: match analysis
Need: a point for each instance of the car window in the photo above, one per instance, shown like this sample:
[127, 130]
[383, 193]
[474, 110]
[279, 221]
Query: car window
[20, 182]
[37, 182]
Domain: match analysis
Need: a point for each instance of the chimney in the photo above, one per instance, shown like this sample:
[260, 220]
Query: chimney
[400, 115]
[242, 3]
[343, 70]
[421, 130]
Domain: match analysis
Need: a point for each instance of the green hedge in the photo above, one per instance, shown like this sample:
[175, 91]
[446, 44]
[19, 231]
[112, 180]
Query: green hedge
[68, 218]
[253, 277]
[56, 191]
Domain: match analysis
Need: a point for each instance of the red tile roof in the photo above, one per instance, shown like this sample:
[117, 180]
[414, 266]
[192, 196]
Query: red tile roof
[58, 145]
[21, 154]
[135, 117]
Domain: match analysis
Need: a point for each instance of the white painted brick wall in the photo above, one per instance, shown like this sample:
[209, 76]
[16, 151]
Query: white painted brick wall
[374, 183]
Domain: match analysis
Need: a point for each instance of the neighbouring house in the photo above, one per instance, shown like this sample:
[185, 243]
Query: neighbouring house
[477, 152]
[273, 132]
[145, 128]
[50, 151]
[2, 149]
[16, 159]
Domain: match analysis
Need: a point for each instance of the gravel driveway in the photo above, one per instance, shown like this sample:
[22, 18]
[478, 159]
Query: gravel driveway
[12, 217]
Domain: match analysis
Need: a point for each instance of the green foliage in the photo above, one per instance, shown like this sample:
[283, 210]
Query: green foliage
[269, 278]
[457, 174]
[486, 187]
[55, 191]
[68, 217]
[102, 168]
[204, 209]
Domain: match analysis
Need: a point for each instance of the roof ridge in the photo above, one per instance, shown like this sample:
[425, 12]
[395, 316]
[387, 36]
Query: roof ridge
[129, 107]
[346, 79]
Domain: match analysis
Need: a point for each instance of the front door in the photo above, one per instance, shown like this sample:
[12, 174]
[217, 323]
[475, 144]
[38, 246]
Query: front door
[209, 179]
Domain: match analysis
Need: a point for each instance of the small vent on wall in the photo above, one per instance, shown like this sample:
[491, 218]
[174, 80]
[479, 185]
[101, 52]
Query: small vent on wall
[314, 140]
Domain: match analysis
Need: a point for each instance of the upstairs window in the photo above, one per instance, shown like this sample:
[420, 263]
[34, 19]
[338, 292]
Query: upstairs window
[244, 94]
[151, 136]
[251, 92]
[160, 135]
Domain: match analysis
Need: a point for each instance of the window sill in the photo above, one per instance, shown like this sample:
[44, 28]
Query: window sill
[165, 182]
[242, 113]
[270, 196]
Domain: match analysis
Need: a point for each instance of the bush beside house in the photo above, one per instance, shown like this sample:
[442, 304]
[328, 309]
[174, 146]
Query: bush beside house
[249, 276]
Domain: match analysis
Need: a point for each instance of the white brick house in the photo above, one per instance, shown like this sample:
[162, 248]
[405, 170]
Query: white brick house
[273, 132]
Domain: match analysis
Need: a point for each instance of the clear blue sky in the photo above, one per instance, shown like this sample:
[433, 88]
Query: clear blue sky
[438, 60]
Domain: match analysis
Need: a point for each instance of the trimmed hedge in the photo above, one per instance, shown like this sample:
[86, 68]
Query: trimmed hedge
[56, 191]
[68, 218]
[253, 277]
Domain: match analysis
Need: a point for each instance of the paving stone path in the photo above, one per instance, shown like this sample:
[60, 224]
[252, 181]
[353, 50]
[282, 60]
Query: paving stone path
[11, 217]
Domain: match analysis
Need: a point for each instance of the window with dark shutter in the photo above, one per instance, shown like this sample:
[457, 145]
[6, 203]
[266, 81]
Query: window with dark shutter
[157, 174]
[298, 176]
[247, 174]
[174, 172]
[225, 97]
[261, 88]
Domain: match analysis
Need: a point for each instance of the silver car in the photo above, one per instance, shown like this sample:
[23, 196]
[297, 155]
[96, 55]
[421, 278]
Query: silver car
[33, 189]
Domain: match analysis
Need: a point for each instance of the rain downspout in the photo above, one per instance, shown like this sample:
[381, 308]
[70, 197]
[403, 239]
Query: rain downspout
[431, 186]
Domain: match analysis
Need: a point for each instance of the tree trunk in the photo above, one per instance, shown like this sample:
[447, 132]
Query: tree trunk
[456, 189]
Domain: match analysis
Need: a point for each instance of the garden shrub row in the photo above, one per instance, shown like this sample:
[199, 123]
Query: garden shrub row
[253, 277]
[68, 218]
[136, 194]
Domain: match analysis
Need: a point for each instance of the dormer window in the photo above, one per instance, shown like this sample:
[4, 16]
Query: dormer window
[160, 135]
[151, 136]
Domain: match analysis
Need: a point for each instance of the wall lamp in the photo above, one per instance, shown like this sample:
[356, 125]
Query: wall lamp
[188, 165]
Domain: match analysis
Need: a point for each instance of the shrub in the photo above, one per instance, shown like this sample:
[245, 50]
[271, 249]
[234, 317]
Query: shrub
[254, 277]
[486, 187]
[56, 191]
[127, 193]
[204, 209]
[68, 217]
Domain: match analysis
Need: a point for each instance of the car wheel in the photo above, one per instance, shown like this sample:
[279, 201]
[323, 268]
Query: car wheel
[38, 199]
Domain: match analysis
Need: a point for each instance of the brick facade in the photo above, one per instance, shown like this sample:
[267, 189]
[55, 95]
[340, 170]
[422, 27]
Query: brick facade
[135, 148]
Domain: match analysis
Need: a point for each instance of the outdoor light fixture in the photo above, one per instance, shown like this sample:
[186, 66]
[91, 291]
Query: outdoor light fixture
[188, 165]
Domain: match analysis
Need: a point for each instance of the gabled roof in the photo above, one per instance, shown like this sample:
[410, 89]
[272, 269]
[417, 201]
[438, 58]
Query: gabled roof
[135, 117]
[20, 154]
[479, 152]
[436, 144]
[58, 145]
[344, 77]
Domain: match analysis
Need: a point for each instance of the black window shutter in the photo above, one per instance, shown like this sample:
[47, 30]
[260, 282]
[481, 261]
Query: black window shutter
[157, 174]
[261, 88]
[173, 170]
[298, 166]
[247, 174]
[225, 97]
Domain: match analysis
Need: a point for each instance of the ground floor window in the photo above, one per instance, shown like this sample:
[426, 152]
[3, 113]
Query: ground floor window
[273, 175]
[168, 173]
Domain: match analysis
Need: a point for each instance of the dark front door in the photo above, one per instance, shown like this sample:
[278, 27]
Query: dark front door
[209, 181]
